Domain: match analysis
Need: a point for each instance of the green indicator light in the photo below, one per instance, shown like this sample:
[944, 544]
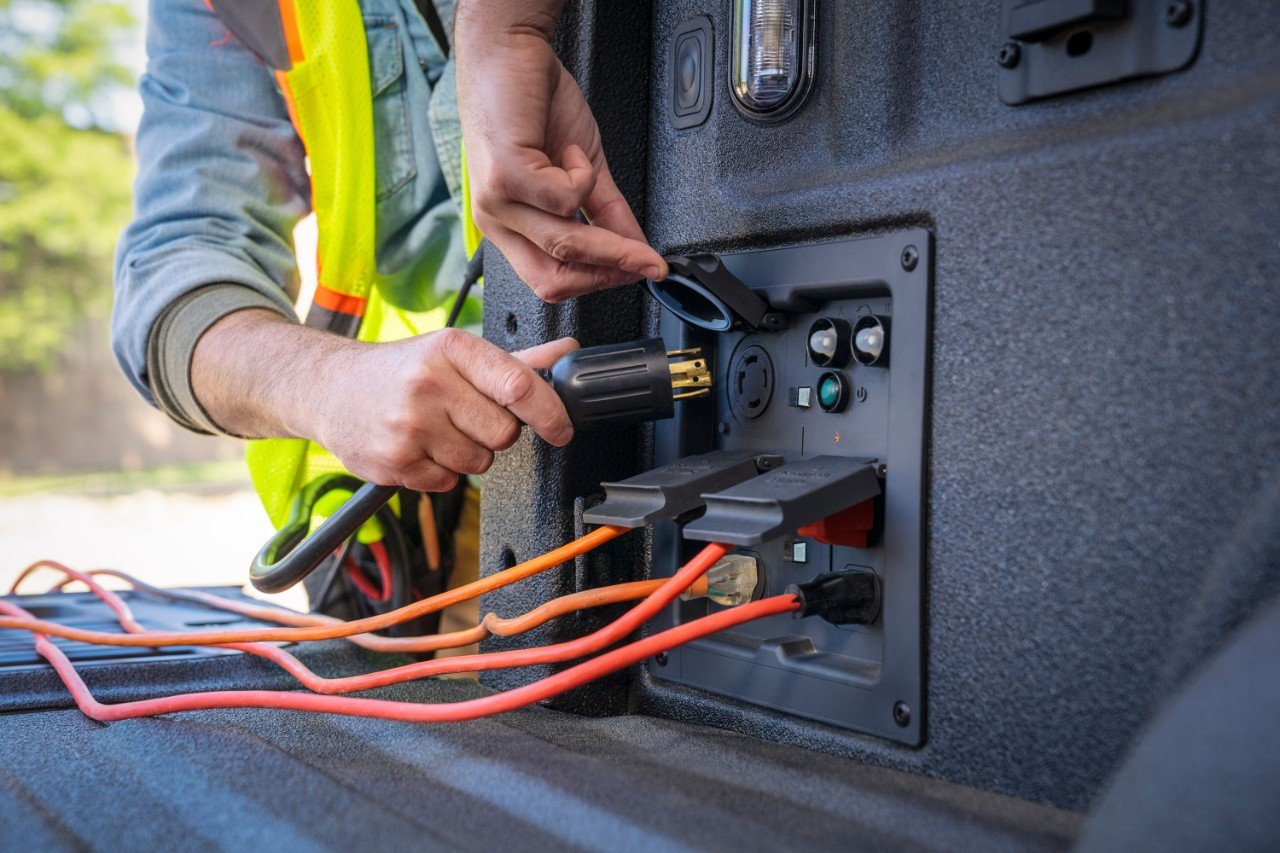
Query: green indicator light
[833, 392]
[829, 392]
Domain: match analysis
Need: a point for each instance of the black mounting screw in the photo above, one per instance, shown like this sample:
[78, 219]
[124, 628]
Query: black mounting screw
[902, 714]
[1010, 55]
[723, 427]
[661, 659]
[1178, 13]
[910, 257]
[767, 462]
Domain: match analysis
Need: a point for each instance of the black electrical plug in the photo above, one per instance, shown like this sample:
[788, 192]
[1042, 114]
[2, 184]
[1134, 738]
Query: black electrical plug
[841, 598]
[630, 382]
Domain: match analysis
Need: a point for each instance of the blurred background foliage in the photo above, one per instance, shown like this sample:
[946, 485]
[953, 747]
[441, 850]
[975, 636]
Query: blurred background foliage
[88, 472]
[65, 170]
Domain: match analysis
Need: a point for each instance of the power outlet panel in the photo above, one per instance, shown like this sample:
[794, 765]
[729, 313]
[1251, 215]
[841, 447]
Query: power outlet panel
[769, 399]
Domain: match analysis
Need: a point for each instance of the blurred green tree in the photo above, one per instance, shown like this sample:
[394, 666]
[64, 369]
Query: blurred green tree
[65, 171]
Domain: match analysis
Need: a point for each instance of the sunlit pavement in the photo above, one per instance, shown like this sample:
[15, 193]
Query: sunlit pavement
[166, 538]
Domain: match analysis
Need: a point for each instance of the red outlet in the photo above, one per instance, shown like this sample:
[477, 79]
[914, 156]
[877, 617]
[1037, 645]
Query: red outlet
[850, 527]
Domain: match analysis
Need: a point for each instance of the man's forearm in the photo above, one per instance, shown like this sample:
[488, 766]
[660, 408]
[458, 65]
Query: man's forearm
[258, 375]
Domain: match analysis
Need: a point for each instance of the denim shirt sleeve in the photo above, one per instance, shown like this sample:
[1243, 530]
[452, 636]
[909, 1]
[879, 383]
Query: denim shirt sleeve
[221, 184]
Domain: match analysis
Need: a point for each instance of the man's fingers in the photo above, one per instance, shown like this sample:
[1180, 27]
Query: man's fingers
[530, 214]
[536, 181]
[543, 356]
[511, 384]
[428, 476]
[552, 280]
[607, 208]
[567, 240]
[454, 451]
[485, 422]
[581, 171]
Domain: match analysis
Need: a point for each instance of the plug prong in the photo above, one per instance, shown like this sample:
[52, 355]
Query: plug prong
[692, 373]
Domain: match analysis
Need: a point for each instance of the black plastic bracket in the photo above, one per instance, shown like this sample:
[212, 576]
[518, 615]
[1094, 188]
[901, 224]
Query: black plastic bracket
[675, 489]
[1055, 46]
[785, 499]
[1033, 20]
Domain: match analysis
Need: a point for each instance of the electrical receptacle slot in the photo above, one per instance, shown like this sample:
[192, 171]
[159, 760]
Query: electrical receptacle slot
[751, 382]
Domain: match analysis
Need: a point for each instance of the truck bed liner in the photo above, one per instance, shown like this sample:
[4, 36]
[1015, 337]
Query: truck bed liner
[241, 778]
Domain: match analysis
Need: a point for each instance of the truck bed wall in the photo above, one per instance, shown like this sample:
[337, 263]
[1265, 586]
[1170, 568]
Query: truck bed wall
[1105, 388]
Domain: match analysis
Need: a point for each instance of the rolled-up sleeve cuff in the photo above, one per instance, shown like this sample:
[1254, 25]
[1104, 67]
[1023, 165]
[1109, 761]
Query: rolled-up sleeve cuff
[172, 344]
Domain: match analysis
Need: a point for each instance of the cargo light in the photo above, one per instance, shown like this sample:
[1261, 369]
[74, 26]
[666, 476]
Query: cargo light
[773, 56]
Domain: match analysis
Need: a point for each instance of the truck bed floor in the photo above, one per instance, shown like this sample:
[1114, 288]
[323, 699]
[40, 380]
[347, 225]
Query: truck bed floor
[533, 779]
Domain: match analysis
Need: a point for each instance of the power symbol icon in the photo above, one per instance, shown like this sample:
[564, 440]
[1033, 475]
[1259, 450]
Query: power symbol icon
[860, 394]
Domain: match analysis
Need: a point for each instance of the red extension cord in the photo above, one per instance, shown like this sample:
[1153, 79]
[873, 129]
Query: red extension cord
[362, 583]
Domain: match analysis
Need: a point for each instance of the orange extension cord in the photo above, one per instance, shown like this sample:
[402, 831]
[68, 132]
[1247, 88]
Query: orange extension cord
[491, 625]
[286, 661]
[550, 560]
[470, 709]
[612, 633]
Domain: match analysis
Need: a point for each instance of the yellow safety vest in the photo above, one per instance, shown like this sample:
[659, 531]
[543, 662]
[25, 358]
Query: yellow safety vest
[329, 95]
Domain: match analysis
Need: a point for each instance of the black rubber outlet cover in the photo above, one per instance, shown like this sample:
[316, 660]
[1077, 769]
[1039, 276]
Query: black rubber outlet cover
[785, 499]
[673, 489]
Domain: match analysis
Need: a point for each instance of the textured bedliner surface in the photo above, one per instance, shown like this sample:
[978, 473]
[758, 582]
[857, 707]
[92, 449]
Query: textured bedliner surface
[533, 779]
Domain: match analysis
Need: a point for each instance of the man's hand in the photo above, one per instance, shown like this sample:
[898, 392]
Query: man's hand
[534, 157]
[415, 413]
[424, 410]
